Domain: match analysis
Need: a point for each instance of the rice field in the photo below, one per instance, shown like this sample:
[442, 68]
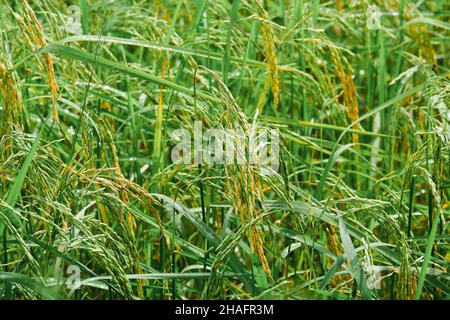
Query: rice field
[229, 149]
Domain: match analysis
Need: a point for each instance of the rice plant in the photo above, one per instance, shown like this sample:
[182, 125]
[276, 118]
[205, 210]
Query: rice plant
[100, 198]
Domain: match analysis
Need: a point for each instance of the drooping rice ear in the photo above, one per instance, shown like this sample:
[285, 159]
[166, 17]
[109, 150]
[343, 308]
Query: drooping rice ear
[270, 52]
[35, 38]
[11, 96]
[11, 100]
[343, 71]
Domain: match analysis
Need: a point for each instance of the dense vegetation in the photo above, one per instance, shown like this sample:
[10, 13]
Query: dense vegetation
[92, 94]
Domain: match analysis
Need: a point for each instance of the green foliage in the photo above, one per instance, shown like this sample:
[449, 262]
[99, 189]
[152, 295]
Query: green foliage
[93, 207]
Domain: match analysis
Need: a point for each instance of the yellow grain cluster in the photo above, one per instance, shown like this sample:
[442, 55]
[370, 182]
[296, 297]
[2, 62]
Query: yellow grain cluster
[247, 209]
[34, 36]
[270, 52]
[343, 71]
[334, 245]
[407, 284]
[426, 50]
[11, 97]
[418, 32]
[245, 190]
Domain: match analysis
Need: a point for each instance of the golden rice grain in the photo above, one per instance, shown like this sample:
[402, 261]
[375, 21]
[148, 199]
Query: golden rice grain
[34, 36]
[270, 52]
